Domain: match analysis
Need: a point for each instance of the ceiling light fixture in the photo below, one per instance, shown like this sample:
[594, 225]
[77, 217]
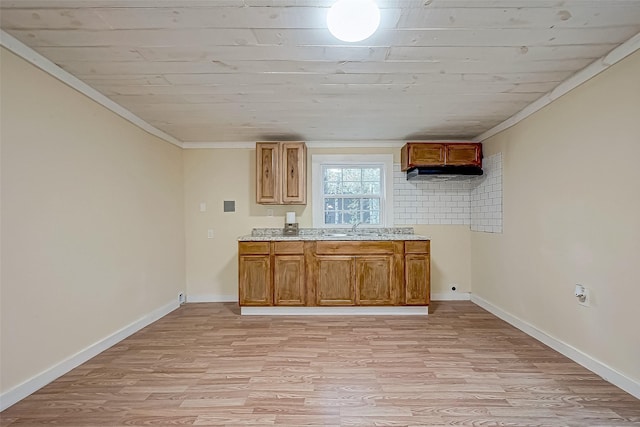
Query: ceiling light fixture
[353, 20]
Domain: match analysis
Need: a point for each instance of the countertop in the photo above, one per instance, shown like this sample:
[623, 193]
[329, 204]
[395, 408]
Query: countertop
[393, 233]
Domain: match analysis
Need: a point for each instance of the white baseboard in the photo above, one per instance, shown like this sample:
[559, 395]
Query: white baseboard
[451, 296]
[606, 372]
[35, 383]
[336, 311]
[445, 296]
[212, 298]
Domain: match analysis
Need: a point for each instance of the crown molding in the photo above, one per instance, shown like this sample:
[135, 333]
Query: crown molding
[218, 145]
[315, 144]
[30, 55]
[590, 71]
[310, 144]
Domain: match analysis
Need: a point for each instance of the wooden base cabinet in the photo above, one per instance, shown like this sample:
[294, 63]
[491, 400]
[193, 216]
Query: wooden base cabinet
[334, 273]
[335, 280]
[288, 280]
[375, 282]
[417, 273]
[288, 273]
[255, 280]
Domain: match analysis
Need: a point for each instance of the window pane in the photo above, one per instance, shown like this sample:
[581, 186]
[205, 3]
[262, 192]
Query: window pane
[350, 187]
[371, 174]
[333, 218]
[371, 217]
[371, 211]
[351, 204]
[350, 217]
[331, 187]
[370, 204]
[332, 174]
[352, 174]
[371, 187]
[331, 204]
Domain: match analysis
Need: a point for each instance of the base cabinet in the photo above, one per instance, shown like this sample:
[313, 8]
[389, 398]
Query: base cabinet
[417, 273]
[255, 280]
[288, 280]
[335, 281]
[375, 281]
[334, 273]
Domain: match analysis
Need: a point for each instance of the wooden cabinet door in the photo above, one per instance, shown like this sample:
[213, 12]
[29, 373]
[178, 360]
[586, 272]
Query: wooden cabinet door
[463, 154]
[420, 154]
[288, 280]
[417, 279]
[294, 174]
[255, 280]
[268, 180]
[335, 280]
[375, 280]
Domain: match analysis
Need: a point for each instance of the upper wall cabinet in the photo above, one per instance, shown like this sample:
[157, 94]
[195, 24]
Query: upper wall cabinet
[416, 154]
[463, 154]
[281, 175]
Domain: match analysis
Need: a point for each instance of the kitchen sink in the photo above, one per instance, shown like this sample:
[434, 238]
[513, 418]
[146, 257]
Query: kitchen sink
[356, 234]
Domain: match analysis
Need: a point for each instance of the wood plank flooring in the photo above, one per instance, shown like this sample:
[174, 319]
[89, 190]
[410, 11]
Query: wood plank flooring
[205, 365]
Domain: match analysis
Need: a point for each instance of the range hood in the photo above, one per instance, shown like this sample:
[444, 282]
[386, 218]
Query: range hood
[443, 173]
[442, 160]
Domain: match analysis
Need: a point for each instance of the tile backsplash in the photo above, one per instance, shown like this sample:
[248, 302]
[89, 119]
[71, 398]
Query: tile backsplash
[486, 197]
[476, 202]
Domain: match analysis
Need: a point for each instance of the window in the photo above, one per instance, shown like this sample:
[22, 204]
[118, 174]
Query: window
[352, 189]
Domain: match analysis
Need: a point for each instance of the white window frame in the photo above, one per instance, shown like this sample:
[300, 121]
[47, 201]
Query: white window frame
[385, 161]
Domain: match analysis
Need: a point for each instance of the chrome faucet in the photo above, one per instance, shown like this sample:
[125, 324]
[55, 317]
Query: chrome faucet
[355, 226]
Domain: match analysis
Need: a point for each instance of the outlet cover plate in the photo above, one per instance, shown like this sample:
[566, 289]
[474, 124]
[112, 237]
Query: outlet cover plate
[587, 300]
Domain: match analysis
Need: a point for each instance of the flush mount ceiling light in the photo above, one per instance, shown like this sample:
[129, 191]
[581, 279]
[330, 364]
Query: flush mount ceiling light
[353, 20]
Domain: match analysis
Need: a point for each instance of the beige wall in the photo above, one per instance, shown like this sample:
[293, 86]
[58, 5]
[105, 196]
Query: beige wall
[215, 175]
[572, 215]
[92, 222]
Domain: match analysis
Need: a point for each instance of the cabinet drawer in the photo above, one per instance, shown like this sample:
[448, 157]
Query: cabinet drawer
[254, 248]
[288, 247]
[416, 247]
[338, 247]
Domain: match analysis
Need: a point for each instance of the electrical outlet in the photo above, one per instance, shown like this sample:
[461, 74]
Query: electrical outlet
[269, 212]
[209, 234]
[586, 301]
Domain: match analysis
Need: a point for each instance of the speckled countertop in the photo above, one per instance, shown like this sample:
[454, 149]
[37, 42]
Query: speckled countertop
[393, 233]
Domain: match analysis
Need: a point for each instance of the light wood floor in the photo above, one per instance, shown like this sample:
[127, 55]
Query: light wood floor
[203, 364]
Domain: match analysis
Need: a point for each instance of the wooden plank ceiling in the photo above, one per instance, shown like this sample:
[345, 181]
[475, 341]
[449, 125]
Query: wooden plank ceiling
[248, 70]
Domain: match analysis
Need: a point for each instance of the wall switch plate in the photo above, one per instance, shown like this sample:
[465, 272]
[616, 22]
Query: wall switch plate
[203, 207]
[209, 234]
